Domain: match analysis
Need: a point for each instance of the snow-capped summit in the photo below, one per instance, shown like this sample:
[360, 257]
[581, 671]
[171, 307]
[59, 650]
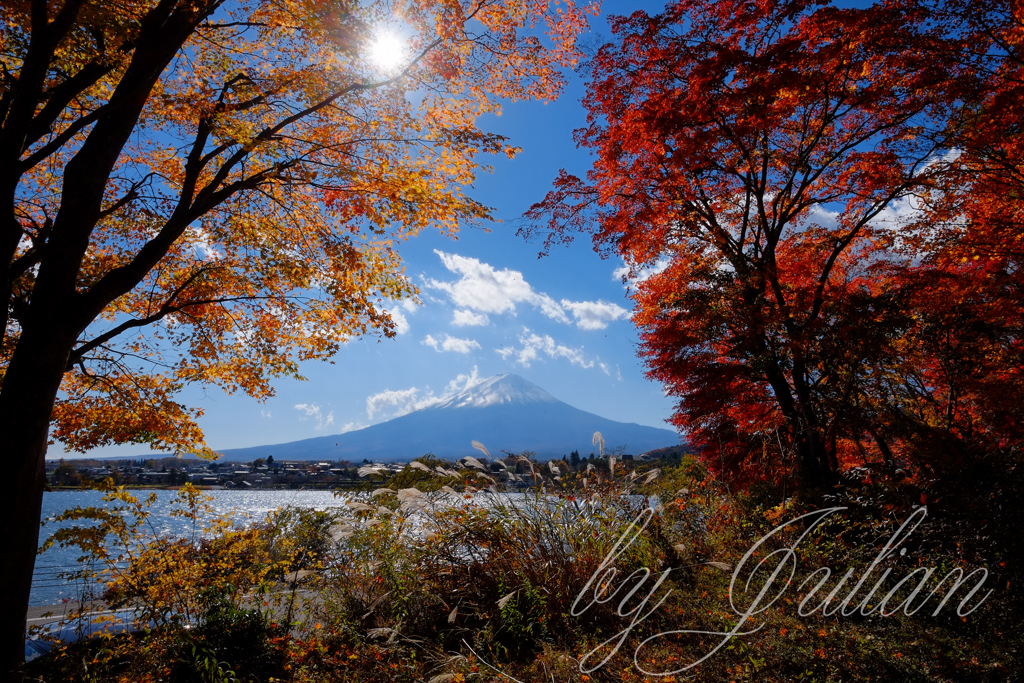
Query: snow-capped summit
[506, 413]
[497, 390]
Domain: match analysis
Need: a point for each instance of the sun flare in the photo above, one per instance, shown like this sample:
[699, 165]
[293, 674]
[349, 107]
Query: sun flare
[388, 51]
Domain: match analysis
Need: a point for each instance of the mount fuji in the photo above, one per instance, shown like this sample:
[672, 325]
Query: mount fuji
[504, 412]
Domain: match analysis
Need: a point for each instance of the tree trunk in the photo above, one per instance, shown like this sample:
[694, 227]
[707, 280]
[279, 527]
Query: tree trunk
[26, 402]
[815, 467]
[814, 470]
[804, 433]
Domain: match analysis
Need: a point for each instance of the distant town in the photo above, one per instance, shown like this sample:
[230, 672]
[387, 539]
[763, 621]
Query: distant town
[173, 471]
[269, 473]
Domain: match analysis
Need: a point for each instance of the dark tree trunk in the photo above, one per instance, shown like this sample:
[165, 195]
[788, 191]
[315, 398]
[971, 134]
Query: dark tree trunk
[804, 432]
[883, 447]
[56, 311]
[26, 401]
[815, 466]
[813, 456]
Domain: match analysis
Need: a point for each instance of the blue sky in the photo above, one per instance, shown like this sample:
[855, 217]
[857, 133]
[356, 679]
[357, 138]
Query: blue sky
[489, 306]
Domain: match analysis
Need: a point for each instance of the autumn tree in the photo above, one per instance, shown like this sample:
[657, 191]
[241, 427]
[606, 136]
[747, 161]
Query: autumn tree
[945, 399]
[962, 396]
[751, 161]
[212, 191]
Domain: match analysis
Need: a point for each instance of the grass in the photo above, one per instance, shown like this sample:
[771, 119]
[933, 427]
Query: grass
[426, 577]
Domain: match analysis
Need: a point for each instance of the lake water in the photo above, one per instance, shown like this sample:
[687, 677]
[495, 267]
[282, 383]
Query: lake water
[243, 506]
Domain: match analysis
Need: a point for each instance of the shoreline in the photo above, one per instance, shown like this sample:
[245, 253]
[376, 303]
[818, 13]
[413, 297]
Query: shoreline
[45, 614]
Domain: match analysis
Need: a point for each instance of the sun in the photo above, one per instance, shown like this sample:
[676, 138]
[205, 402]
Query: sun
[388, 51]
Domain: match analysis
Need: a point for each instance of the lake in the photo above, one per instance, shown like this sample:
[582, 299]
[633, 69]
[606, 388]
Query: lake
[244, 506]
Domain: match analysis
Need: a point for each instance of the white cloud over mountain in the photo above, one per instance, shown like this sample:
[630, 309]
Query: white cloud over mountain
[395, 403]
[313, 410]
[533, 345]
[450, 343]
[482, 290]
[404, 400]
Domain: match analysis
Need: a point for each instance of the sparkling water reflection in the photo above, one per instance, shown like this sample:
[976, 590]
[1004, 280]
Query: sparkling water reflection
[243, 506]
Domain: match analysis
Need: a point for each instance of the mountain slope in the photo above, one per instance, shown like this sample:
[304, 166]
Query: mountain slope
[504, 412]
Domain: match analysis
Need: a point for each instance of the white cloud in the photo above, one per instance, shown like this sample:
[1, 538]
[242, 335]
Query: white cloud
[463, 318]
[644, 273]
[534, 345]
[403, 401]
[352, 426]
[450, 343]
[594, 315]
[202, 244]
[266, 413]
[898, 213]
[395, 310]
[462, 382]
[483, 289]
[822, 217]
[401, 323]
[313, 410]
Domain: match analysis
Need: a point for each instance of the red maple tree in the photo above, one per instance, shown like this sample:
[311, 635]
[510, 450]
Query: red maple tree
[764, 161]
